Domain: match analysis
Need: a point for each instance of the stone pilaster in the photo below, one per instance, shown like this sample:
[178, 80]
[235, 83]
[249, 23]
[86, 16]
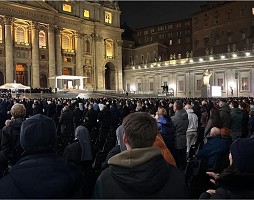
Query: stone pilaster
[59, 59]
[35, 56]
[98, 63]
[8, 50]
[52, 55]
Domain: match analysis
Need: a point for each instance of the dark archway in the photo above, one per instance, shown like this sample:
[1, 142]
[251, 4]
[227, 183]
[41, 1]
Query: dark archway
[1, 78]
[43, 81]
[110, 79]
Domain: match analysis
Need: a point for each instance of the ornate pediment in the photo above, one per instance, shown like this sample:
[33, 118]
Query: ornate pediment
[110, 4]
[37, 4]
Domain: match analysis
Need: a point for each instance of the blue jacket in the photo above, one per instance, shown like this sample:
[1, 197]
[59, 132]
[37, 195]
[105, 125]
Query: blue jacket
[165, 127]
[214, 147]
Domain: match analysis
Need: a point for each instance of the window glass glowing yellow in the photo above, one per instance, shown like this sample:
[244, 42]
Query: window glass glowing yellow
[108, 17]
[66, 7]
[86, 13]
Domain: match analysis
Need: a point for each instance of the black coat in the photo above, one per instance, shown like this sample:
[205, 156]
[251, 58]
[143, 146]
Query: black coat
[66, 122]
[41, 176]
[233, 187]
[153, 179]
[10, 142]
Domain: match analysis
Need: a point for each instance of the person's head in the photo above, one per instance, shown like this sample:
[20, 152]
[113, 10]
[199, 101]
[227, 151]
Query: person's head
[188, 106]
[18, 111]
[215, 131]
[38, 134]
[225, 132]
[119, 136]
[161, 111]
[242, 154]
[178, 105]
[243, 106]
[234, 104]
[222, 103]
[140, 130]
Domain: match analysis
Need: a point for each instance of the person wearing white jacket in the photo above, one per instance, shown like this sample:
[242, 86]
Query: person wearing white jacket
[191, 134]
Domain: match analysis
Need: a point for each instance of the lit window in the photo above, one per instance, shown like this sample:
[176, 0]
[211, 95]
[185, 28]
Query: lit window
[42, 39]
[66, 7]
[66, 42]
[86, 13]
[109, 48]
[20, 35]
[170, 42]
[1, 34]
[179, 41]
[108, 17]
[252, 11]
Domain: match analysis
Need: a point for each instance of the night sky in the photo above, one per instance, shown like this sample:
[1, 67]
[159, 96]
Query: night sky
[140, 14]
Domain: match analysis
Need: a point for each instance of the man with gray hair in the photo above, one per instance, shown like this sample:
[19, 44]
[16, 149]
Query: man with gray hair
[180, 124]
[191, 134]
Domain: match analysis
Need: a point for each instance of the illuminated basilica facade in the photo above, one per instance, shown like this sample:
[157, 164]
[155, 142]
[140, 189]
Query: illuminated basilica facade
[43, 39]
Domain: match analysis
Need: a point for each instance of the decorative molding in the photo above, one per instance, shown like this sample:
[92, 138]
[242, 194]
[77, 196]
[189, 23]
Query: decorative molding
[8, 20]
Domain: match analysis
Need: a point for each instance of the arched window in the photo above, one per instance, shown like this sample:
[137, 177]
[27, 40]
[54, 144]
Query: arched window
[1, 34]
[42, 39]
[20, 35]
[87, 46]
[66, 42]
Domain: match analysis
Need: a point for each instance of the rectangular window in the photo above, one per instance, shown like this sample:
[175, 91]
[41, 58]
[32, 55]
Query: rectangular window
[66, 7]
[252, 11]
[1, 34]
[170, 42]
[243, 35]
[180, 86]
[151, 86]
[86, 13]
[139, 87]
[170, 26]
[145, 32]
[152, 30]
[188, 40]
[220, 83]
[108, 17]
[199, 84]
[245, 83]
[67, 59]
[178, 41]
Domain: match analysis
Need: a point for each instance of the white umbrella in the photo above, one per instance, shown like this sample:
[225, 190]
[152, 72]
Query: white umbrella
[17, 86]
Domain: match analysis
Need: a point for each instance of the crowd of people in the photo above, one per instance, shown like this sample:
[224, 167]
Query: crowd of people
[127, 148]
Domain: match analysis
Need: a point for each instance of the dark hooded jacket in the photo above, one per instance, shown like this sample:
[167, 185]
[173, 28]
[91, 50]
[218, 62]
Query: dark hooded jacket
[225, 116]
[140, 173]
[180, 124]
[10, 143]
[236, 119]
[40, 174]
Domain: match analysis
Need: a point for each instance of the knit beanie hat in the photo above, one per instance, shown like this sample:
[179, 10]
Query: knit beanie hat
[38, 133]
[242, 152]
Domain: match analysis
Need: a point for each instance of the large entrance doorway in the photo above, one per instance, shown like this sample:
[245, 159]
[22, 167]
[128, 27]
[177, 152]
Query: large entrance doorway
[43, 81]
[110, 79]
[21, 74]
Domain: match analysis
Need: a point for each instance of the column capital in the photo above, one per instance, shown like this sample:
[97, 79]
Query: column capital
[96, 37]
[8, 20]
[35, 25]
[52, 27]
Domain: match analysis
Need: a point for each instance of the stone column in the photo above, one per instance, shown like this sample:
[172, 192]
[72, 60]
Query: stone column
[52, 54]
[118, 57]
[98, 61]
[35, 56]
[8, 50]
[59, 59]
[78, 51]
